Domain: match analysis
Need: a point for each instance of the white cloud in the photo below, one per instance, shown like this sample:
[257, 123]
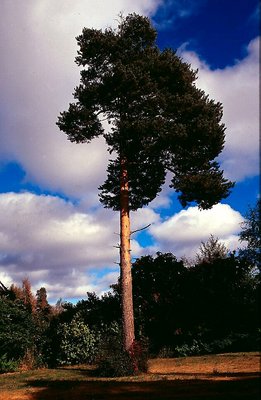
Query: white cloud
[59, 246]
[47, 239]
[182, 233]
[237, 88]
[143, 217]
[38, 75]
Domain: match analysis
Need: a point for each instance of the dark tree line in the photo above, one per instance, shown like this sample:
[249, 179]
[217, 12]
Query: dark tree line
[209, 306]
[207, 302]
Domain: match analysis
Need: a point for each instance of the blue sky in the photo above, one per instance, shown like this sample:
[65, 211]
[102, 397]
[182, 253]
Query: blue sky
[52, 227]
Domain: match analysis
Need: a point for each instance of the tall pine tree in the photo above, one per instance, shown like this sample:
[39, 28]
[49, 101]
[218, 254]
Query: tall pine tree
[159, 122]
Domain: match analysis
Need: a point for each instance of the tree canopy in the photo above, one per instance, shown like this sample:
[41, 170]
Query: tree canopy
[159, 120]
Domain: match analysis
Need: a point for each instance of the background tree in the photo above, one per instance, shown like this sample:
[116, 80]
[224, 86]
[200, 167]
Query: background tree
[220, 299]
[32, 337]
[251, 234]
[159, 122]
[98, 312]
[211, 250]
[41, 300]
[209, 307]
[25, 294]
[159, 297]
[43, 309]
[16, 328]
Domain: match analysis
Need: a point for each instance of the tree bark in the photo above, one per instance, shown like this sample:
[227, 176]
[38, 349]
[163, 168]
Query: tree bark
[125, 261]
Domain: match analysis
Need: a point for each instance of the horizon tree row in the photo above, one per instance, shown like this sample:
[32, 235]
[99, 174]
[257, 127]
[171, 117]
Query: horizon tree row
[180, 309]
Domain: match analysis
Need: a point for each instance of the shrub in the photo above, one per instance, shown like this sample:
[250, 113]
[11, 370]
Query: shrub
[235, 342]
[16, 329]
[32, 359]
[7, 365]
[196, 347]
[114, 361]
[166, 352]
[78, 344]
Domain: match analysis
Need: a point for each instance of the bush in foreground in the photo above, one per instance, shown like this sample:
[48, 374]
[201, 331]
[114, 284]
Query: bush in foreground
[114, 361]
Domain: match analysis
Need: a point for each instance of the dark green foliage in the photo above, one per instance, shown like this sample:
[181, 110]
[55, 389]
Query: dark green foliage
[113, 360]
[77, 344]
[42, 306]
[141, 174]
[51, 346]
[100, 311]
[23, 327]
[251, 234]
[193, 347]
[233, 342]
[159, 120]
[194, 307]
[211, 307]
[16, 329]
[224, 295]
[211, 250]
[158, 291]
[7, 364]
[117, 362]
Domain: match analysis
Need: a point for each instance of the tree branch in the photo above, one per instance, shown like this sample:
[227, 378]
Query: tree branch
[141, 229]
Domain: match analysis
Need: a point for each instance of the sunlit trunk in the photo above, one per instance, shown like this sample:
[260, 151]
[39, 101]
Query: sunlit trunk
[125, 261]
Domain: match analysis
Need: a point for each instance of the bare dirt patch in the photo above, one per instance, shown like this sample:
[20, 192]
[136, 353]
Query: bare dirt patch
[222, 377]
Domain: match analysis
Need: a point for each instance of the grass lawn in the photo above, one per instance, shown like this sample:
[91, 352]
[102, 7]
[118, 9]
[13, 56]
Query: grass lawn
[223, 376]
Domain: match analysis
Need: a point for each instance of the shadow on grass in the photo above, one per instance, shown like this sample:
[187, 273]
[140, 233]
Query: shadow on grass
[246, 388]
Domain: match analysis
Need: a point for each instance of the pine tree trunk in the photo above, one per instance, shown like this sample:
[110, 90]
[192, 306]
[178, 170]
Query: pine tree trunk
[125, 261]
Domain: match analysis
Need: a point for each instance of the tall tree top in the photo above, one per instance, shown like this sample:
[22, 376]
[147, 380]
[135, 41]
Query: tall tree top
[159, 120]
[211, 250]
